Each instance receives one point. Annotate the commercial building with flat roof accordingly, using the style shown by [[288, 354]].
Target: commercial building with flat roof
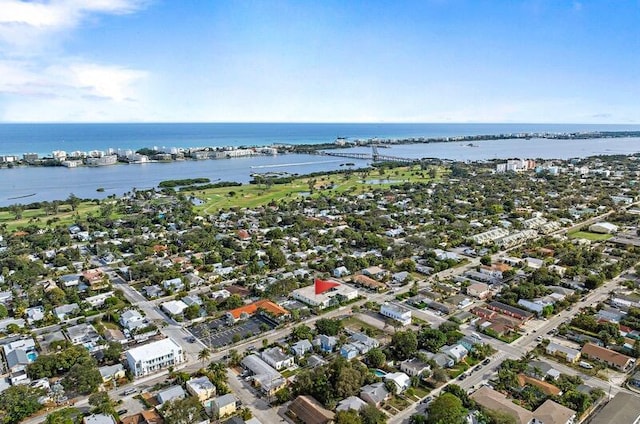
[[328, 298]]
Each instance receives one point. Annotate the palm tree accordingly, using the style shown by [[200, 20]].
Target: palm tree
[[204, 355]]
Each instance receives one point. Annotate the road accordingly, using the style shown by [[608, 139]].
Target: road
[[520, 347]]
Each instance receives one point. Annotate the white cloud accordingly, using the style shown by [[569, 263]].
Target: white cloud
[[112, 82], [59, 14], [30, 25], [40, 81]]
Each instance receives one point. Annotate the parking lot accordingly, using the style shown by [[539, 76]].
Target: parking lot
[[219, 333]]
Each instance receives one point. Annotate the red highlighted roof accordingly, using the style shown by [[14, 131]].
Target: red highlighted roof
[[324, 286]]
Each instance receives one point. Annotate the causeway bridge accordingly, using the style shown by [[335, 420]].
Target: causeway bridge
[[374, 156]]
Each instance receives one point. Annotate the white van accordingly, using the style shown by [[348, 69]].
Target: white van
[[476, 336], [585, 365]]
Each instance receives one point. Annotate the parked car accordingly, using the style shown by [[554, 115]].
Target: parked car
[[123, 411], [486, 361]]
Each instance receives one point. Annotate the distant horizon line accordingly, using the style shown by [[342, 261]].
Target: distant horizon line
[[305, 123]]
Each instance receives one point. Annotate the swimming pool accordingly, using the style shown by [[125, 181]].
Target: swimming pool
[[379, 373], [31, 356]]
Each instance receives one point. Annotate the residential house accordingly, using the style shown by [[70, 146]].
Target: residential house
[[174, 284], [415, 367], [610, 314], [349, 351], [496, 401], [374, 394], [340, 272], [171, 393], [99, 299], [442, 360], [301, 347], [533, 263], [396, 312], [352, 402], [611, 358], [19, 353], [174, 307], [70, 280], [400, 277], [154, 356], [150, 416], [566, 353], [327, 343], [375, 272], [99, 419], [112, 372], [192, 300], [456, 352], [363, 342], [307, 410], [551, 412], [34, 314], [95, 278], [223, 405], [62, 312], [132, 319], [400, 379], [536, 306], [625, 301], [84, 334], [152, 292], [542, 370], [276, 358], [203, 389], [479, 290]]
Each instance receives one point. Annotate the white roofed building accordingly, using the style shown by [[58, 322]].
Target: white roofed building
[[154, 356]]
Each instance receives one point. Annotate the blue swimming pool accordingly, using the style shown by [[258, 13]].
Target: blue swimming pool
[[31, 356], [379, 373]]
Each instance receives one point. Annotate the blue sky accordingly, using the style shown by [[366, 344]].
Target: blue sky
[[320, 61]]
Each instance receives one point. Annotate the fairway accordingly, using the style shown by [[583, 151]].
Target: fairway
[[357, 181], [40, 218]]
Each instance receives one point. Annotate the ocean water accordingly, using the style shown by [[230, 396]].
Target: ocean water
[[17, 139]]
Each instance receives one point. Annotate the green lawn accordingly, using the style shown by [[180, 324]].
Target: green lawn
[[457, 369], [590, 236], [39, 217]]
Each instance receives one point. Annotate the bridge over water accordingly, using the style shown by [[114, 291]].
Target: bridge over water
[[374, 156]]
